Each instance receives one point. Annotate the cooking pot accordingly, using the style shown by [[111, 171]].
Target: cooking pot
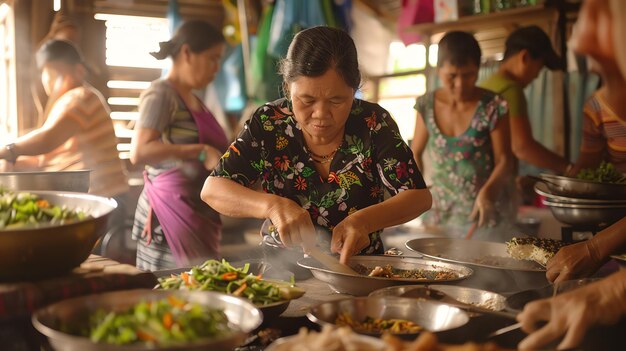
[[76, 181]]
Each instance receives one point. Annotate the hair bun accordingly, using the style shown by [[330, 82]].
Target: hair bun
[[165, 50]]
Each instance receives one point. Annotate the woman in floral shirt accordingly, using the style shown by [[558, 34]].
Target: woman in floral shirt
[[323, 157], [464, 131]]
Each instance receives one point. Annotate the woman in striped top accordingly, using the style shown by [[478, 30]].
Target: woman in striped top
[[179, 141]]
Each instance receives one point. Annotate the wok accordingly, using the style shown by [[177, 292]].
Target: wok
[[586, 214], [76, 181], [432, 316], [577, 188], [54, 249], [73, 314]]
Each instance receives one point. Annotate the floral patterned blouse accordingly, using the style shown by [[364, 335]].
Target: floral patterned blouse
[[460, 165], [371, 158]]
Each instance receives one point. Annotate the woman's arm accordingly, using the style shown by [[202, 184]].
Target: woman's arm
[[420, 137], [147, 148], [351, 235], [232, 199]]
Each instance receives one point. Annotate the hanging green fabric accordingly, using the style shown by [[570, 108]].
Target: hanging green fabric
[[329, 14], [259, 58]]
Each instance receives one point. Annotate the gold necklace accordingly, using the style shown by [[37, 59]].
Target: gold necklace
[[322, 158]]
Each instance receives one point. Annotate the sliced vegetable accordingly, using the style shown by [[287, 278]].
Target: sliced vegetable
[[25, 209]]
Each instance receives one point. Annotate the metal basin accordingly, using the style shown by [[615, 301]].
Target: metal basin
[[586, 214], [577, 188], [362, 285], [76, 181], [54, 249], [73, 314], [494, 269], [471, 296], [432, 316], [542, 189]]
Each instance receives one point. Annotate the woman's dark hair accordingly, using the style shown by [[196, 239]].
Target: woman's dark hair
[[314, 51], [198, 34], [58, 51], [458, 48]]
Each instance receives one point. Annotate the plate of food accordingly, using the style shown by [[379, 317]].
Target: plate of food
[[328, 339], [377, 272], [272, 297]]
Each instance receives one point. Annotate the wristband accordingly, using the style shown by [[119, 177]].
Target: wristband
[[202, 156], [12, 157]]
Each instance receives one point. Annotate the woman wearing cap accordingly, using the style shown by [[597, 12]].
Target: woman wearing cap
[[527, 51], [179, 141], [464, 131], [599, 33], [78, 132], [322, 156]]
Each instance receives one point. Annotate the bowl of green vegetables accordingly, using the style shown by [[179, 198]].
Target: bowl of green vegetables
[[602, 183], [134, 320]]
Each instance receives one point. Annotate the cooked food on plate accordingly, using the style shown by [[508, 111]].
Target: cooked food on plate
[[329, 339], [222, 277], [388, 271], [378, 325], [167, 321], [605, 173], [22, 209], [533, 249]]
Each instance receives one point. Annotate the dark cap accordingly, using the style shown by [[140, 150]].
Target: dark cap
[[58, 50], [536, 41]]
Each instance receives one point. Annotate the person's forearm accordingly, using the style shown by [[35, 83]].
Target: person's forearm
[[540, 156], [235, 200], [609, 241], [398, 209], [155, 152]]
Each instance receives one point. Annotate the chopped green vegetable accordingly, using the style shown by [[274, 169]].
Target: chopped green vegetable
[[606, 173], [25, 209], [221, 276], [162, 322]]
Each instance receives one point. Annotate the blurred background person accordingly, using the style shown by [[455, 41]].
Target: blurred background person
[[464, 131], [179, 141]]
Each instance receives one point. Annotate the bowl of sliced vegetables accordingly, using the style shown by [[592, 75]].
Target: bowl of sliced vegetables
[[43, 233], [272, 297], [142, 319]]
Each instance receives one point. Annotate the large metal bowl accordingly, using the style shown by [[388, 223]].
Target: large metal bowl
[[577, 188], [586, 214], [362, 285], [54, 249], [477, 297], [74, 313], [542, 189], [432, 316], [76, 181], [504, 274]]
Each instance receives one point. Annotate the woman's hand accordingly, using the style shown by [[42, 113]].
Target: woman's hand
[[574, 261], [293, 223], [350, 236], [484, 210], [572, 313]]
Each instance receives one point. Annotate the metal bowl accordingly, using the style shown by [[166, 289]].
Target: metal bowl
[[586, 214], [471, 296], [432, 316], [76, 181], [362, 285], [542, 189], [508, 275], [74, 313], [54, 249], [577, 188]]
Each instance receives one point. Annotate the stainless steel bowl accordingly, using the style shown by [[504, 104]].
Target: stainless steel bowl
[[471, 296], [362, 285], [586, 214], [432, 316], [54, 249], [74, 314], [577, 188], [508, 275], [542, 189], [75, 181]]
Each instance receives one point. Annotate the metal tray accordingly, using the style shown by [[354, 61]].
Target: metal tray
[[362, 285], [478, 297], [471, 252]]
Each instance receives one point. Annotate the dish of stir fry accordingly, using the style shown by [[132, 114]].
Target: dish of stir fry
[[388, 271], [222, 277], [378, 325], [19, 210], [161, 322]]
